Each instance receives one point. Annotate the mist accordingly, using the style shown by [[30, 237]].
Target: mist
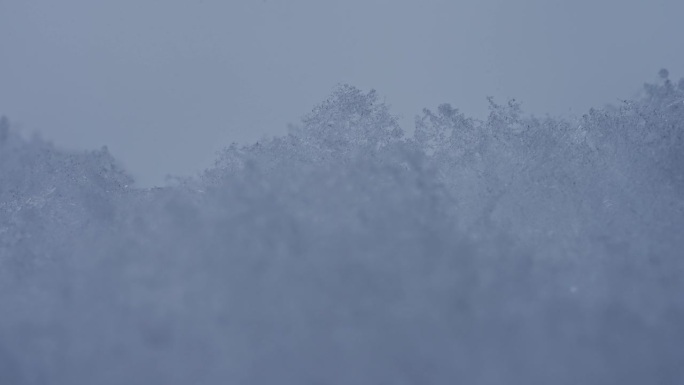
[[359, 193]]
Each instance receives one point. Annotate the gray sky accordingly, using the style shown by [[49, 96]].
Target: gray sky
[[167, 83]]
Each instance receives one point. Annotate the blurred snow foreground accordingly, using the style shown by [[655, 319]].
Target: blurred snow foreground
[[515, 250]]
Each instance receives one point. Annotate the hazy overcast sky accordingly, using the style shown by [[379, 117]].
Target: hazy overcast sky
[[167, 83]]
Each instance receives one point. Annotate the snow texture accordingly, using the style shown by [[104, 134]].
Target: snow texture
[[514, 250]]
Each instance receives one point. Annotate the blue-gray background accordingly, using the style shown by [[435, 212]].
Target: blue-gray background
[[165, 84]]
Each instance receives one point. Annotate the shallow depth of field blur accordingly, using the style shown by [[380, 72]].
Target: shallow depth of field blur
[[515, 249]]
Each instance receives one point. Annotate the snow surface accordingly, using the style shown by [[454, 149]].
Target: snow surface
[[515, 250]]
